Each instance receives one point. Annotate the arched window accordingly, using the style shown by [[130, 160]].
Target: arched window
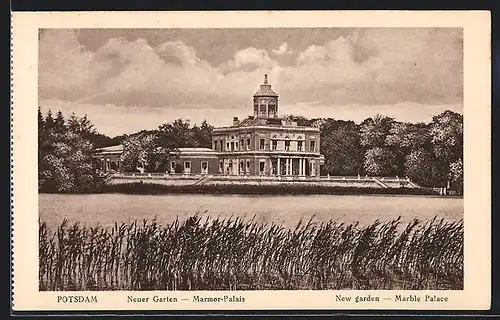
[[287, 143], [274, 143]]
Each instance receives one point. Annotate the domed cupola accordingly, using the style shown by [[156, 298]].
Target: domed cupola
[[265, 101]]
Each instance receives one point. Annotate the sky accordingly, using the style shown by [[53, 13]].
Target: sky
[[127, 80]]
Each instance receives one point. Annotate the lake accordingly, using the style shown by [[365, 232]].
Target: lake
[[106, 209]]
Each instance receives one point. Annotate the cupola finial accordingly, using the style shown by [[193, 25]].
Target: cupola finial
[[265, 79]]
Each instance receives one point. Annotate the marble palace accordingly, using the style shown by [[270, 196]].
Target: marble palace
[[261, 144]]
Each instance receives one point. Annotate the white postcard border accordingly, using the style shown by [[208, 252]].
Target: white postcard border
[[477, 146]]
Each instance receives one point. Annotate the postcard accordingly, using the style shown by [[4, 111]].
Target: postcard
[[276, 160]]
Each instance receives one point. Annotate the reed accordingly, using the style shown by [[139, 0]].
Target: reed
[[236, 254]]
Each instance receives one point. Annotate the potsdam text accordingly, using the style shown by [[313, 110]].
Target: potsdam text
[[76, 299]]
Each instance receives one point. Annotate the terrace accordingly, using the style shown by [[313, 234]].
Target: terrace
[[168, 178]]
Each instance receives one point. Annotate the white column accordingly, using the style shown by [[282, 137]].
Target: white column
[[303, 167], [291, 166], [278, 169]]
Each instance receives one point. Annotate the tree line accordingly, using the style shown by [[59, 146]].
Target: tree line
[[430, 154]]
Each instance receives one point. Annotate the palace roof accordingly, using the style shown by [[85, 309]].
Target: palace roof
[[265, 90], [110, 149], [278, 121]]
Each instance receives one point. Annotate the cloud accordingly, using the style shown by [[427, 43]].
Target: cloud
[[66, 69], [248, 60], [380, 66], [383, 66], [283, 49]]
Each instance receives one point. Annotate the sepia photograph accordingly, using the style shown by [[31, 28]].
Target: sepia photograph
[[251, 159]]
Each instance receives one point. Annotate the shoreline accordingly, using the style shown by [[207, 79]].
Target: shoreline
[[260, 190]]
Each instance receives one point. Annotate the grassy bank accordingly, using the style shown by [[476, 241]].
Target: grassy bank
[[216, 254], [278, 189]]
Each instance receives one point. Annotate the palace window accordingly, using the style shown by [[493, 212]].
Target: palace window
[[236, 145], [172, 166], [262, 144], [262, 166], [287, 145], [204, 167], [221, 146], [275, 144], [272, 109], [242, 142], [242, 166], [299, 145], [248, 144], [262, 109], [221, 166], [227, 147], [187, 166], [248, 166], [232, 146], [312, 146], [214, 145]]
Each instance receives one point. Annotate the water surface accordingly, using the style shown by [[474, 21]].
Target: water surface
[[106, 209]]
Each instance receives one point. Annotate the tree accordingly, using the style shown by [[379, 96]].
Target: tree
[[65, 159], [408, 136], [380, 162], [49, 120], [41, 121], [203, 135], [446, 132], [422, 168], [373, 131], [137, 151], [59, 123], [403, 138], [457, 176], [80, 125], [301, 120], [99, 140], [175, 135], [341, 147]]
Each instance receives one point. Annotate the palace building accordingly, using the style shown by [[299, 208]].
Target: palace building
[[263, 144], [267, 144]]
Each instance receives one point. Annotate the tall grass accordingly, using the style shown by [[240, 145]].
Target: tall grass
[[234, 254]]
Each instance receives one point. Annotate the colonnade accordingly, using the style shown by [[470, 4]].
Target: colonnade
[[289, 166], [108, 164], [277, 166]]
